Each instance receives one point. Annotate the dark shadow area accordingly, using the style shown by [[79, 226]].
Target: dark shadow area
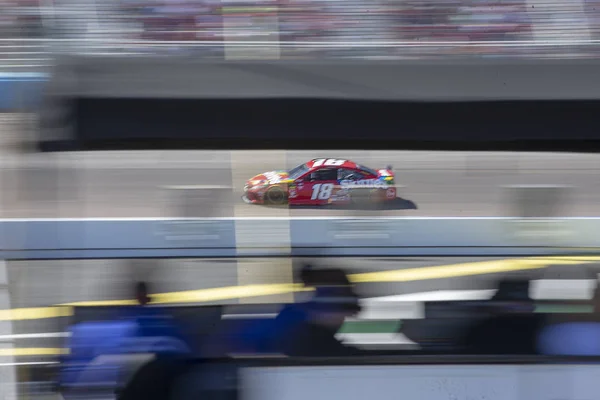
[[397, 204], [328, 124]]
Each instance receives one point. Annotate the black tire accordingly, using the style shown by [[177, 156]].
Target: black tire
[[276, 196]]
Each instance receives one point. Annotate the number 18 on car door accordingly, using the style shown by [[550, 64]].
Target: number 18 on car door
[[320, 186]]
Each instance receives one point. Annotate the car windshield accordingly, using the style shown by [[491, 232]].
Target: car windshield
[[369, 170], [298, 171]]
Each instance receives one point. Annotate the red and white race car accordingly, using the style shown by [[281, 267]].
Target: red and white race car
[[322, 181]]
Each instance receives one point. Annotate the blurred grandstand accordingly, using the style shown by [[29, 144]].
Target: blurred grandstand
[[32, 31]]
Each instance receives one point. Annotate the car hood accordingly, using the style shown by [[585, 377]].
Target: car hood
[[269, 178]]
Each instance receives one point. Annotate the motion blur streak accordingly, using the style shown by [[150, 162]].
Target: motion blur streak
[[18, 314], [237, 292], [226, 293], [33, 351], [468, 269], [304, 30], [100, 303]]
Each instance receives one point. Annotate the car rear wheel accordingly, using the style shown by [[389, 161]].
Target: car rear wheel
[[276, 196]]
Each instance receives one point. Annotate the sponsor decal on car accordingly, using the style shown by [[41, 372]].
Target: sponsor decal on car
[[363, 183], [273, 177], [339, 197]]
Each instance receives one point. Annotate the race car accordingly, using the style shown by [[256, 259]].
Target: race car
[[322, 181]]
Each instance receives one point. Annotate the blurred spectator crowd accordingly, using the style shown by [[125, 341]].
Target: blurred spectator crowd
[[396, 29]]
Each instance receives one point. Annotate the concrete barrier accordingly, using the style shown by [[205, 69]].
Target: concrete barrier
[[216, 237], [38, 239], [443, 236], [432, 382]]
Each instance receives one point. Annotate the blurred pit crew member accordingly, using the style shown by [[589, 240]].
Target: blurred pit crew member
[[309, 329], [253, 336], [512, 326]]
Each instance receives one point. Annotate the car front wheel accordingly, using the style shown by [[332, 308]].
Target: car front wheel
[[276, 196]]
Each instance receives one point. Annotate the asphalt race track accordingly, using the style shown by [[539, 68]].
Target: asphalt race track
[[150, 184], [153, 184]]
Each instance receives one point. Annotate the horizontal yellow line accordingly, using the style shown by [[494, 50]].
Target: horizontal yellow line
[[202, 295], [226, 293], [97, 303], [33, 351], [466, 269], [237, 292], [18, 314]]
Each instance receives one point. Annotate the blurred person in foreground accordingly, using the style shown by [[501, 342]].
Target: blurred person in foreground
[[309, 329], [254, 336], [154, 322], [104, 354], [289, 316], [572, 334], [512, 325], [165, 377], [299, 327], [305, 329]]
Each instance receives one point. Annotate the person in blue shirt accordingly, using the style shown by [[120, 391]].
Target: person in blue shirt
[[289, 316], [309, 328], [98, 349], [573, 334], [157, 330], [254, 336]]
